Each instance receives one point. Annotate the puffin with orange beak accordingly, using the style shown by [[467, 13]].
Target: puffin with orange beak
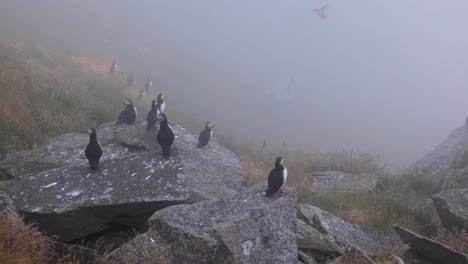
[[165, 135], [93, 150], [206, 135], [277, 178], [152, 117]]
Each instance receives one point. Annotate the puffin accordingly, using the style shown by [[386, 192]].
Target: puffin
[[152, 117], [128, 115], [148, 84], [93, 150], [206, 135], [321, 12], [161, 104], [165, 135], [113, 67], [130, 80], [277, 178]]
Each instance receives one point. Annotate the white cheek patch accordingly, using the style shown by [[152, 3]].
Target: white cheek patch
[[135, 110]]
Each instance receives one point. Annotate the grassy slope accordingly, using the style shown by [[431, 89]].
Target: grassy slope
[[45, 94]]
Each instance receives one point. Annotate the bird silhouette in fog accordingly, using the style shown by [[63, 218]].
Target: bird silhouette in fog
[[113, 67], [321, 12]]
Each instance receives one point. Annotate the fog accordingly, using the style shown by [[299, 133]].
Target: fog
[[385, 77]]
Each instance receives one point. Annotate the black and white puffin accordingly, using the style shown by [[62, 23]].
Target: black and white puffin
[[93, 151], [130, 80], [277, 177], [205, 136], [161, 103], [165, 135], [113, 67], [128, 115], [152, 117], [148, 84]]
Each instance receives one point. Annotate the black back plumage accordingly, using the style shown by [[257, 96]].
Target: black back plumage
[[165, 135], [93, 151], [275, 178], [130, 80], [128, 115], [152, 116], [205, 135]]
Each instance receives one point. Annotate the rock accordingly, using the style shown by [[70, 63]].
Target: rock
[[423, 205], [305, 258], [430, 249], [370, 241], [243, 228], [452, 206], [437, 162], [310, 239], [340, 181], [56, 188], [6, 204]]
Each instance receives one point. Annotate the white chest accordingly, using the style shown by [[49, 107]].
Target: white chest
[[163, 107], [285, 175]]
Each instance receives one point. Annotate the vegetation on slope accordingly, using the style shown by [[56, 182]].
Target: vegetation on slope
[[45, 94]]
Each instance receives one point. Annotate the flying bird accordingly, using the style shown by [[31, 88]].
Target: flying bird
[[321, 12], [93, 151], [277, 178]]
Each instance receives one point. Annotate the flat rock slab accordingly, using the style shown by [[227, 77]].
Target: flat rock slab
[[340, 181], [72, 202], [370, 241], [431, 249], [54, 186], [244, 228], [452, 206]]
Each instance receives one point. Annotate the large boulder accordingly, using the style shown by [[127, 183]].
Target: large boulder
[[6, 204], [244, 228], [437, 162], [452, 206], [341, 181], [55, 187], [430, 249], [370, 241]]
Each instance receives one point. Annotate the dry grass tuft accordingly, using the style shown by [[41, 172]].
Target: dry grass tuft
[[22, 243], [456, 240]]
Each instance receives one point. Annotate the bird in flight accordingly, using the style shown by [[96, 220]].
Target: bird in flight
[[321, 12]]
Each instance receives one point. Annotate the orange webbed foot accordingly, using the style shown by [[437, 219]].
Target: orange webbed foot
[[100, 162], [210, 146], [283, 191], [157, 126]]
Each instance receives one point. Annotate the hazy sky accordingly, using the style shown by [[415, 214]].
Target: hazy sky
[[387, 77]]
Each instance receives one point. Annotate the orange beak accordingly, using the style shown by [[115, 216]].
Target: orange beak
[[157, 125]]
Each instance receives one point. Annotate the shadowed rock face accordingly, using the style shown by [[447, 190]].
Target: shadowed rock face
[[345, 236], [245, 228], [430, 249], [55, 187], [452, 206], [6, 204]]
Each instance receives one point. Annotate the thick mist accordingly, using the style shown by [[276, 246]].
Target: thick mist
[[385, 77]]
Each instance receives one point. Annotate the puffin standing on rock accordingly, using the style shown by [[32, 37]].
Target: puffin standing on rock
[[93, 150], [161, 103], [128, 115], [165, 135], [277, 178], [205, 136], [152, 117]]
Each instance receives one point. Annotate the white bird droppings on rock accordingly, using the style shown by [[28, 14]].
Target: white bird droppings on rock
[[50, 185]]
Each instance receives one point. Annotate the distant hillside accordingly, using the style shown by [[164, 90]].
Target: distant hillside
[[45, 93]]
